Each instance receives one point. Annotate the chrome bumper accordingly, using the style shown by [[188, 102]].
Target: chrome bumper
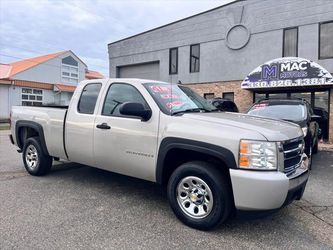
[[266, 190]]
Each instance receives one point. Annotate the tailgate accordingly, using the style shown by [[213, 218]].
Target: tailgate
[[51, 121]]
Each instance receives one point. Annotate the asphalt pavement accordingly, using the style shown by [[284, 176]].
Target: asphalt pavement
[[79, 207]]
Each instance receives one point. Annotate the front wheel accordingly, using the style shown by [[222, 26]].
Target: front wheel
[[315, 148], [200, 195], [35, 161], [310, 155]]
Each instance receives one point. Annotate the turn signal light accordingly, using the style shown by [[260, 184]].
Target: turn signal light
[[244, 161]]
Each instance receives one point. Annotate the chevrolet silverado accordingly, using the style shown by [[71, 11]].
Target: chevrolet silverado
[[212, 163]]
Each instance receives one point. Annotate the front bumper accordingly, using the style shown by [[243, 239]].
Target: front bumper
[[258, 190]]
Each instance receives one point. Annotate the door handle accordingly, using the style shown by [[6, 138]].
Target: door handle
[[104, 125]]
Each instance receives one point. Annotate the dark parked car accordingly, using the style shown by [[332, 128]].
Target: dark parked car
[[224, 105], [298, 111], [322, 121]]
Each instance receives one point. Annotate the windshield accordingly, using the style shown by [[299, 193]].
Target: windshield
[[290, 112], [174, 98]]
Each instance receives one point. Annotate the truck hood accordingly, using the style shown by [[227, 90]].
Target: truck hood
[[271, 129]]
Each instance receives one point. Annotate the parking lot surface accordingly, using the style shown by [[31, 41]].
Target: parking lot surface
[[79, 207]]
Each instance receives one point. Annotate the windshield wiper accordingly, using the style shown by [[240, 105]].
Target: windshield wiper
[[190, 111]]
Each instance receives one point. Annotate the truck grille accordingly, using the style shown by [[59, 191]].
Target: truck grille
[[292, 151]]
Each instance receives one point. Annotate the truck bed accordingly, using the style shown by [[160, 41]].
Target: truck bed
[[54, 106], [51, 118]]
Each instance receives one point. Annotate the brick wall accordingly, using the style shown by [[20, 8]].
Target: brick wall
[[243, 98]]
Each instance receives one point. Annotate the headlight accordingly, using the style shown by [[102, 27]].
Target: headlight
[[305, 130], [259, 155]]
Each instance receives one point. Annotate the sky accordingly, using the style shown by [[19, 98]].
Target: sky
[[30, 28]]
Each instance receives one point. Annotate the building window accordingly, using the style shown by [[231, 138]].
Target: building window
[[173, 61], [32, 97], [195, 58], [290, 42], [69, 70], [209, 95], [69, 60], [259, 96], [228, 95], [326, 40]]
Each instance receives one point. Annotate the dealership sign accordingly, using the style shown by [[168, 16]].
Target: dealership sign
[[287, 72]]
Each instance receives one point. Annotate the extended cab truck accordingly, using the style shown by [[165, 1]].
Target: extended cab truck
[[211, 162]]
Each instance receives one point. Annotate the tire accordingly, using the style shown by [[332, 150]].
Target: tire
[[310, 155], [208, 196], [35, 161], [315, 148]]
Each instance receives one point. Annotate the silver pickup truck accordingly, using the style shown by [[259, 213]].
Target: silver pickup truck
[[211, 162]]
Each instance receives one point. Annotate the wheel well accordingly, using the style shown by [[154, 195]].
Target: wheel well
[[176, 157], [25, 133]]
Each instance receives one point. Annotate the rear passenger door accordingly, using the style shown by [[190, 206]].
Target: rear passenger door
[[79, 127]]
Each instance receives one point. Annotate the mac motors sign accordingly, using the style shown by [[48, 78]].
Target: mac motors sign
[[287, 72]]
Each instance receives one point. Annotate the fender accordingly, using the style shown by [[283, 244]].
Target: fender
[[35, 126], [223, 154]]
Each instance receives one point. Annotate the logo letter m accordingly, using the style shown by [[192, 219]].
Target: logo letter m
[[269, 72]]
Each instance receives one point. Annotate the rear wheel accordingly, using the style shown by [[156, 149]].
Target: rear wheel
[[200, 195], [35, 161]]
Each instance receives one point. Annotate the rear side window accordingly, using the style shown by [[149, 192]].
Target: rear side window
[[88, 98]]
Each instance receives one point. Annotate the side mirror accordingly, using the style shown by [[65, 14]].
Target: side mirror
[[135, 109], [315, 118]]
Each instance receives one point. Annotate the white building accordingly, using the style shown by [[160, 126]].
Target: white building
[[47, 79]]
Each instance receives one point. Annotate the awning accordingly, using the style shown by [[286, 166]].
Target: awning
[[64, 87]]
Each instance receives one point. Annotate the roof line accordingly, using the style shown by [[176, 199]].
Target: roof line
[[38, 63], [78, 57], [32, 60], [177, 21]]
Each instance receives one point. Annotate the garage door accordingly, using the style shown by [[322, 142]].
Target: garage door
[[144, 71]]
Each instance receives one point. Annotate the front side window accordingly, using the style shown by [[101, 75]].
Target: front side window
[[32, 97], [173, 61], [326, 40], [290, 42], [88, 98], [195, 58], [173, 99], [118, 94]]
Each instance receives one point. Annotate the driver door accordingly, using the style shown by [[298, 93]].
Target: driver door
[[124, 144]]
